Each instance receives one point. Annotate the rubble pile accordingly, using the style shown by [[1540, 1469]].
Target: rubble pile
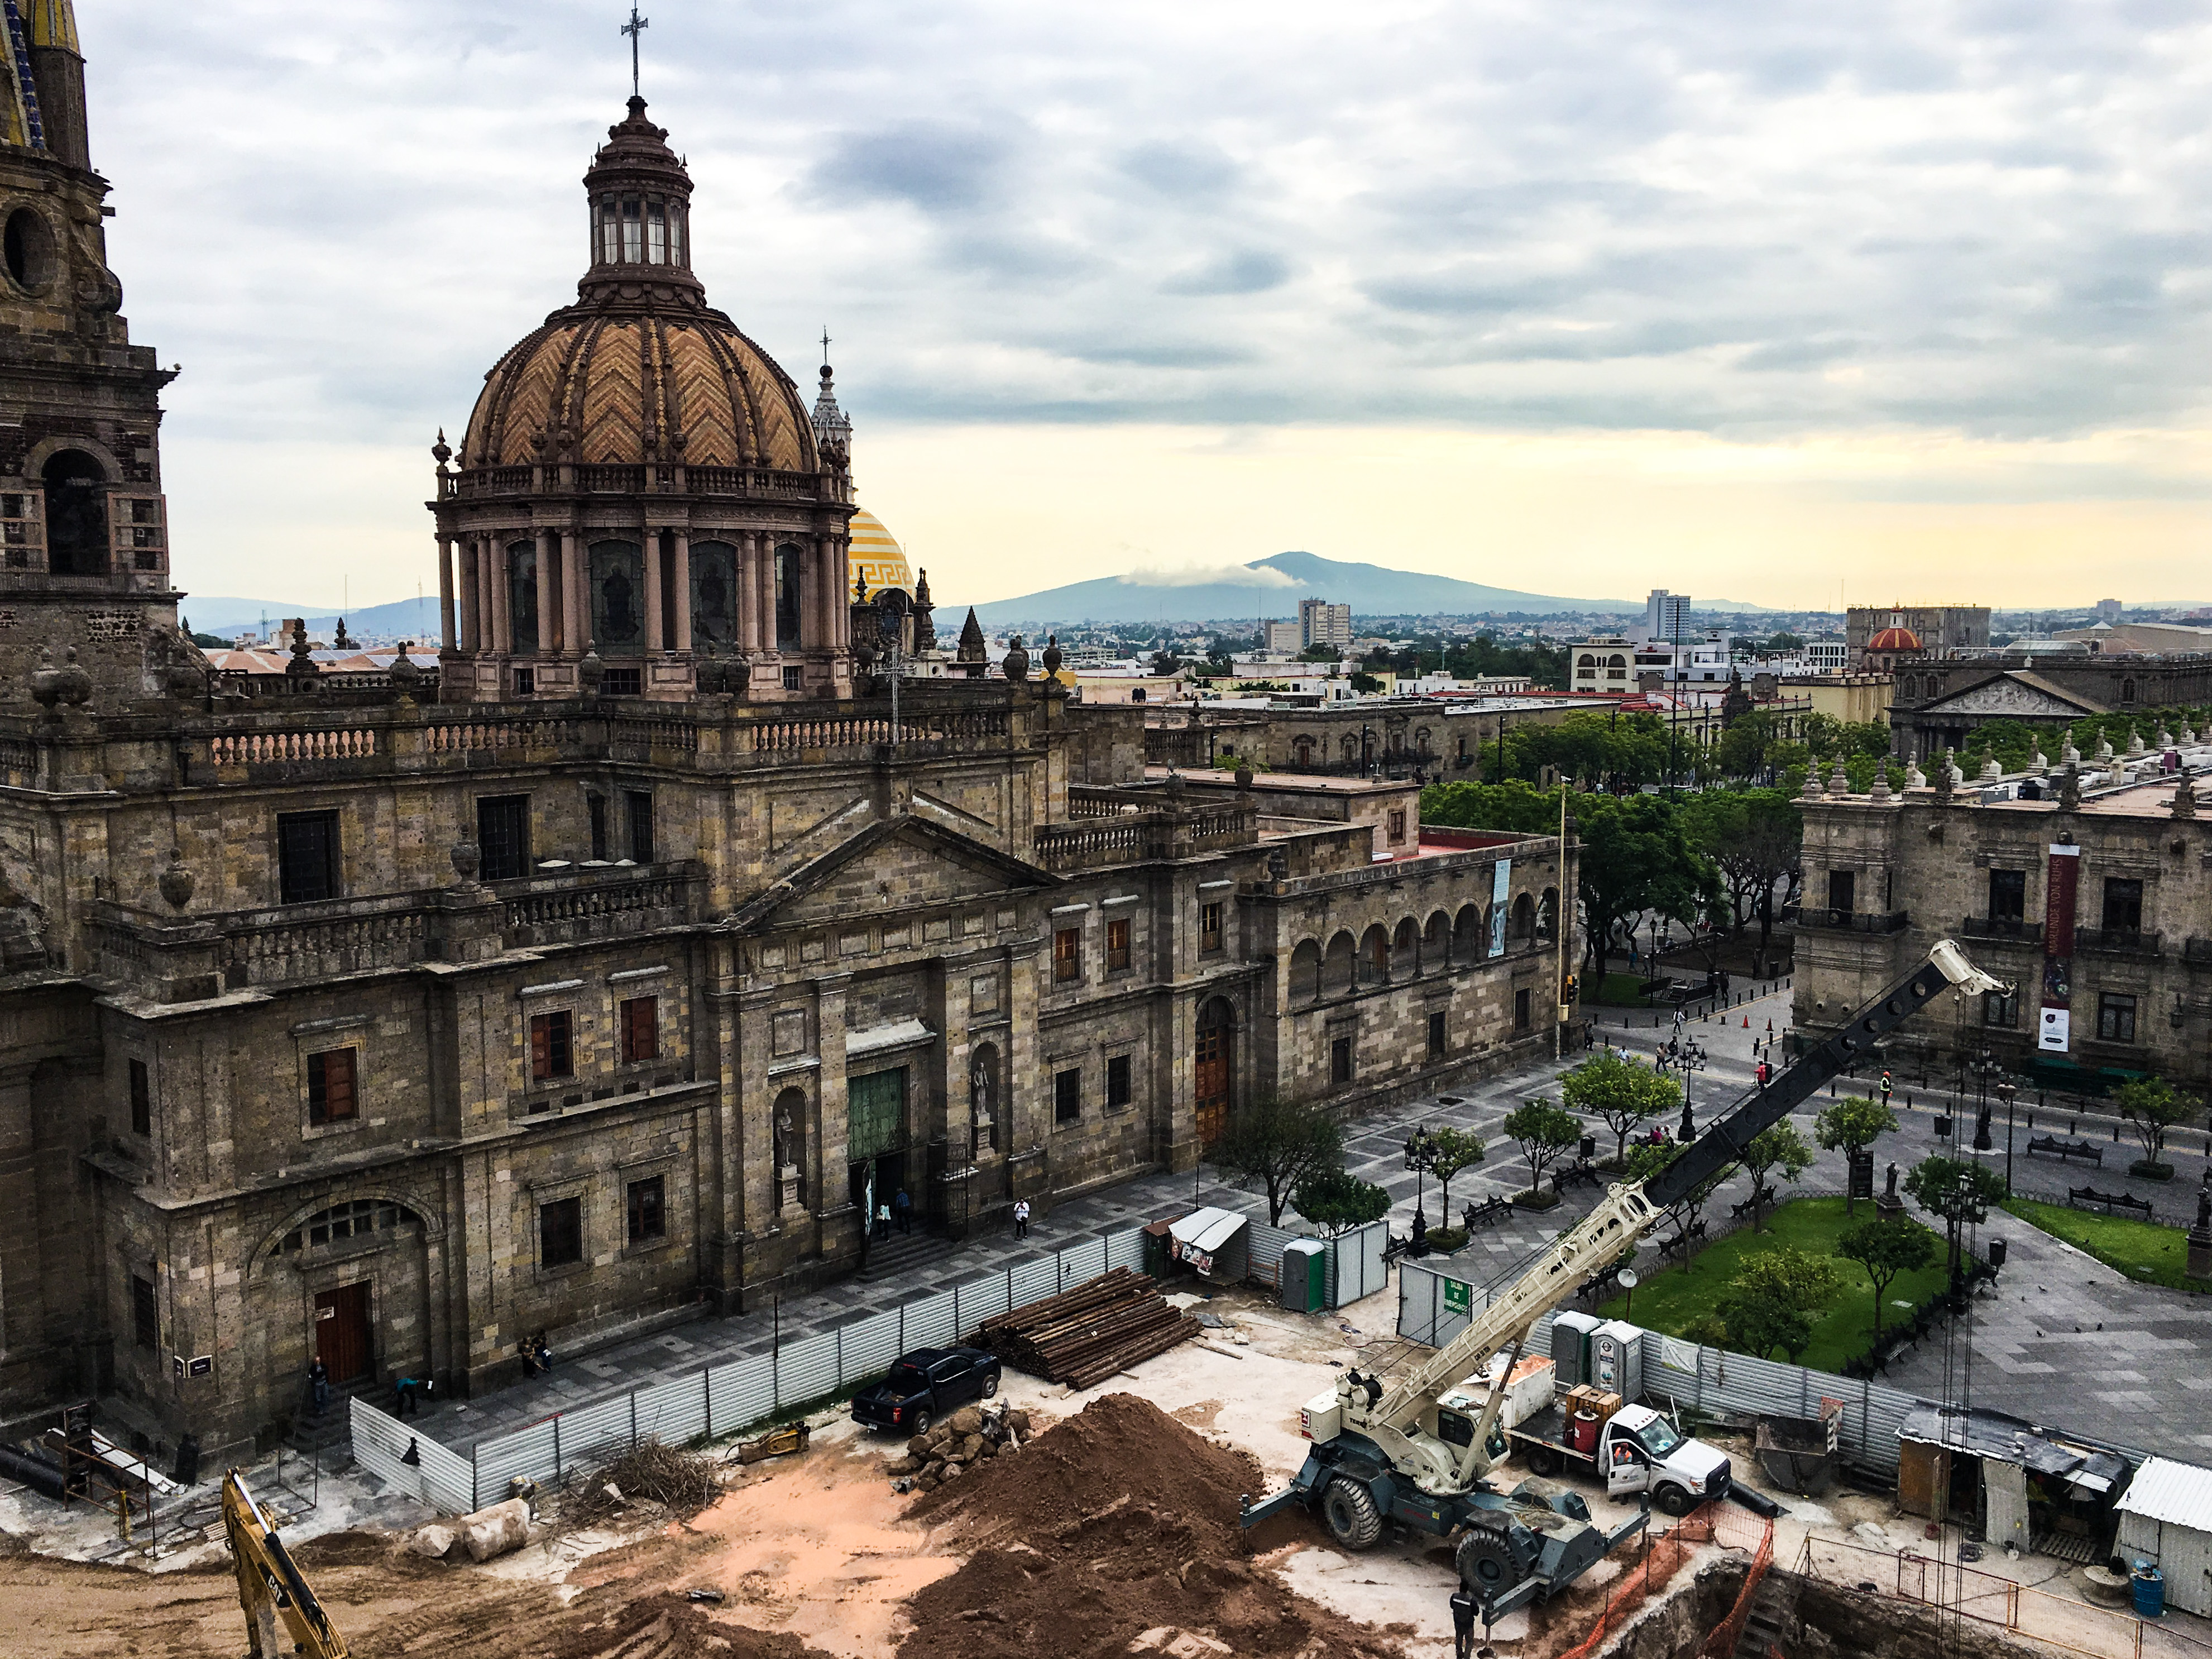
[[1081, 1337], [1114, 1531], [970, 1436]]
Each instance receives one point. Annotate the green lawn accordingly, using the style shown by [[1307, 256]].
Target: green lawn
[[1621, 991], [1672, 1297], [2140, 1249]]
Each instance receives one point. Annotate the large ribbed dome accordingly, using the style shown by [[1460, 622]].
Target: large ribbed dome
[[615, 384]]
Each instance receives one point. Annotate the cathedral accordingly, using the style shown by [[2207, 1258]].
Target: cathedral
[[617, 969]]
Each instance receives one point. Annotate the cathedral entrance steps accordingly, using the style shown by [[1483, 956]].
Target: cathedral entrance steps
[[903, 1253]]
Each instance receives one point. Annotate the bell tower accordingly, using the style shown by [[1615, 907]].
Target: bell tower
[[84, 545]]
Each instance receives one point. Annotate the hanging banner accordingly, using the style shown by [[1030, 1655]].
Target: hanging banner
[[2058, 889], [1501, 877]]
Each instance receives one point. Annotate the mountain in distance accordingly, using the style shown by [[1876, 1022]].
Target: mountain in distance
[[402, 619], [1276, 585]]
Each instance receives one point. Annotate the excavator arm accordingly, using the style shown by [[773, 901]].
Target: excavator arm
[[1392, 1417], [270, 1587]]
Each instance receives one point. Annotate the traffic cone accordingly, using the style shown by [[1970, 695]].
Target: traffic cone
[[1770, 1028], [1746, 1022]]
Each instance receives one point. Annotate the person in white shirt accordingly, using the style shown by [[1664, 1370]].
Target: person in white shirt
[[1021, 1218]]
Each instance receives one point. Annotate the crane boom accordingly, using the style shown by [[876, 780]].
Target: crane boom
[[1399, 1419]]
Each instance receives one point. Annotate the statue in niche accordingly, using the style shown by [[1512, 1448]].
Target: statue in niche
[[983, 1082], [619, 617]]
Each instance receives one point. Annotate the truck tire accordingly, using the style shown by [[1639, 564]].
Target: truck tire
[[1542, 1460], [990, 1384], [1348, 1509], [1484, 1567], [919, 1425], [1673, 1500]]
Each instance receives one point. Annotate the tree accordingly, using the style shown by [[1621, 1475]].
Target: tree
[[1451, 1151], [1756, 838], [1276, 1144], [1619, 1092], [1335, 1200], [1365, 684], [1775, 1299], [1647, 1160], [1780, 1147], [1959, 1190], [1166, 662], [2152, 1106], [1543, 1132], [1852, 1124], [1886, 1249]]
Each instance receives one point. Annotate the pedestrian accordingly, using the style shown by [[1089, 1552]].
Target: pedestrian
[[1021, 1218], [903, 1211], [403, 1392], [1463, 1611], [319, 1380], [882, 1221], [1724, 982]]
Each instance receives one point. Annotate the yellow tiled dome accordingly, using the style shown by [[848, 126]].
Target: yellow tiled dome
[[876, 556]]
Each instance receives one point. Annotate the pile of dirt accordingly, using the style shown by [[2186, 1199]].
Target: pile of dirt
[[1116, 1523], [970, 1436], [605, 1625]]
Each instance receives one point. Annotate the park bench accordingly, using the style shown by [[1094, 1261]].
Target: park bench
[[1581, 1173], [1761, 1200], [1672, 1247], [2052, 1146], [2082, 1197], [1490, 1209], [1601, 1285]]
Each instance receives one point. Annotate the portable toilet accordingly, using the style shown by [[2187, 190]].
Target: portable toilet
[[1616, 1358], [1571, 1334], [1305, 1275]]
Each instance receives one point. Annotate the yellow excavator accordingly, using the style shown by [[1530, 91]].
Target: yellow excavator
[[270, 1587]]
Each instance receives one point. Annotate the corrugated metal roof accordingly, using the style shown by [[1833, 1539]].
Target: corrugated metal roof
[[2163, 1490]]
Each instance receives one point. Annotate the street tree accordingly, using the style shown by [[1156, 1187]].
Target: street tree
[[1646, 1160], [2152, 1106], [1335, 1201], [1776, 1299], [1780, 1148], [1274, 1144], [1451, 1151], [1544, 1132], [1852, 1124], [1961, 1190], [1886, 1249], [1620, 1092]]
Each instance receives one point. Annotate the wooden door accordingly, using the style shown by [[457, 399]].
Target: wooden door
[[342, 1335], [1213, 1046]]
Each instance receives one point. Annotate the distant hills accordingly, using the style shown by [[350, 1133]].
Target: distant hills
[[1274, 589], [402, 619]]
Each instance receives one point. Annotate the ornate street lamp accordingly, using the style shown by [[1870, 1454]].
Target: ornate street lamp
[[1421, 1159]]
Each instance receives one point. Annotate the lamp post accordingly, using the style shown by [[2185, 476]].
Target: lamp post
[[1688, 1057], [2005, 1092], [1421, 1159], [1986, 1071]]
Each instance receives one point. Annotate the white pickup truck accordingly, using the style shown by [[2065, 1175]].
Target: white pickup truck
[[1637, 1450]]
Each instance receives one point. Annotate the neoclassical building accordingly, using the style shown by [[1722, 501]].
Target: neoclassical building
[[611, 974]]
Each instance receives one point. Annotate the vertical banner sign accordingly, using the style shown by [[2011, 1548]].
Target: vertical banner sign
[[2058, 891], [1501, 877]]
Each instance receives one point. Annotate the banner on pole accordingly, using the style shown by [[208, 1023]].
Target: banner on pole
[[2052, 1032], [1501, 879]]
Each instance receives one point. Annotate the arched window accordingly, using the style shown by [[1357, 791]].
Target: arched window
[[714, 593], [1616, 662], [1522, 925], [1349, 746], [788, 558], [618, 598], [1548, 916], [361, 1219], [1302, 752], [522, 593], [1215, 1067], [76, 514], [1421, 741], [1337, 968], [1375, 956], [1470, 938], [1406, 951], [1137, 695], [1436, 943], [1586, 660], [2127, 691], [1305, 973]]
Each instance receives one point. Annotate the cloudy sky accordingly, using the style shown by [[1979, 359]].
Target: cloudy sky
[[1778, 302]]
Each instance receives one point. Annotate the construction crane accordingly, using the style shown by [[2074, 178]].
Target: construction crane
[[1384, 1450], [270, 1587]]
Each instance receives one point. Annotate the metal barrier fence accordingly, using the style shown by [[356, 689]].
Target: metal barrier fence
[[720, 1400], [1356, 1267]]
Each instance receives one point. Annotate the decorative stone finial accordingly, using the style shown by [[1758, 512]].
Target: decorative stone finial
[[1243, 774], [1881, 779], [46, 680], [1812, 790], [2103, 745], [707, 671], [2069, 788], [405, 676], [1990, 770], [2038, 762], [1946, 775], [591, 672], [76, 683], [1914, 777], [2135, 751], [466, 857], [1016, 665], [971, 648], [302, 666], [176, 883], [2068, 754], [2185, 797], [441, 452], [2188, 735], [1840, 780], [1052, 656], [2163, 739]]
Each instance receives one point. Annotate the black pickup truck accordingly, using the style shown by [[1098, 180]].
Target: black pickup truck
[[925, 1385]]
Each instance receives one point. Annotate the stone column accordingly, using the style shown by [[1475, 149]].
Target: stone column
[[829, 594], [472, 612], [446, 638], [503, 594], [682, 590], [575, 598], [549, 621], [653, 643], [767, 539], [748, 621]]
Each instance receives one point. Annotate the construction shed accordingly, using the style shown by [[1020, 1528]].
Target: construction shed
[[1213, 1243], [2165, 1518], [2022, 1482]]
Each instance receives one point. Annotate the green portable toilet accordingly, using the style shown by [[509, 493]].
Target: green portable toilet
[[1305, 1275]]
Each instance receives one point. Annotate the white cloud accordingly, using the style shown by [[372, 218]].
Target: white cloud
[[1207, 575]]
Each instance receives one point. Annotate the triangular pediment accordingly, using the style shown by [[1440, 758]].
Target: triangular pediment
[[2012, 697], [895, 864]]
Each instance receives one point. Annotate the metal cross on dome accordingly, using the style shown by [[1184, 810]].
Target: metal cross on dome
[[634, 29]]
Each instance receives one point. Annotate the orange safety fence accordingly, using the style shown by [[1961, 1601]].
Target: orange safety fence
[[1724, 1640], [1663, 1556]]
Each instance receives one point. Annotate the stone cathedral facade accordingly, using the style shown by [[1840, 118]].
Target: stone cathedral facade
[[612, 972]]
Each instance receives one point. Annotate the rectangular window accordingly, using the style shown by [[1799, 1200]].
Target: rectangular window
[[2008, 895], [1999, 1010], [791, 679], [609, 232], [2122, 905], [788, 559], [595, 807], [331, 1097], [1117, 1081], [648, 1213], [1397, 827], [2115, 1018], [1520, 1000], [656, 232], [1067, 1097], [1067, 954], [306, 857], [1435, 1037], [641, 1030], [639, 804], [1340, 1060], [1209, 926], [1843, 889], [1117, 946], [142, 1099], [551, 1051], [624, 682], [145, 1313], [561, 1232], [631, 239], [503, 836]]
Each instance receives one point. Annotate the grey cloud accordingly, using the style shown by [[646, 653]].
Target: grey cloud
[[931, 164], [1242, 270]]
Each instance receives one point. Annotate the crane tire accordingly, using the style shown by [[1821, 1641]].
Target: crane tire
[[1673, 1500], [1484, 1566], [1348, 1509]]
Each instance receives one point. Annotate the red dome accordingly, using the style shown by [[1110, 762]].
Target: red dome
[[1894, 639]]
